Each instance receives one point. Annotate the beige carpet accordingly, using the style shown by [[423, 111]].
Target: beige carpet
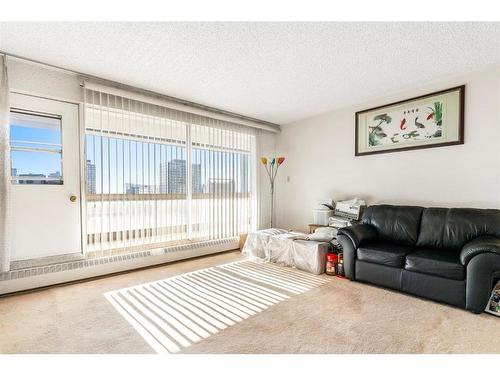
[[174, 313], [337, 317]]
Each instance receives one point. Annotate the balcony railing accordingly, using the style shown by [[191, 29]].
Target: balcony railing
[[142, 220], [158, 196]]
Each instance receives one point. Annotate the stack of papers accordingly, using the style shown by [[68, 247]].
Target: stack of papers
[[493, 306]]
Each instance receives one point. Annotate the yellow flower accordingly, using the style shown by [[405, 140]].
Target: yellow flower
[[263, 160]]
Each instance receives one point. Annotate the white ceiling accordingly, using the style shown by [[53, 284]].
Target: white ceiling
[[279, 72]]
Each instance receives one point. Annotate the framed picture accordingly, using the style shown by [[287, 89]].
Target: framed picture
[[431, 120]]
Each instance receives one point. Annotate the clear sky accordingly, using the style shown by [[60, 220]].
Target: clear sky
[[35, 162], [121, 161], [124, 161]]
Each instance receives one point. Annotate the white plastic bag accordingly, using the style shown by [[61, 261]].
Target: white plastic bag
[[286, 248]]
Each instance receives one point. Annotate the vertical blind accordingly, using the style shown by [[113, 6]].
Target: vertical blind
[[158, 176], [5, 168]]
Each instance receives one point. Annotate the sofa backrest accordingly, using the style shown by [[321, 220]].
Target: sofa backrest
[[434, 227], [397, 224], [452, 228]]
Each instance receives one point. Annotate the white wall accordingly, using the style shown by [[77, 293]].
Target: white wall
[[46, 82], [321, 162]]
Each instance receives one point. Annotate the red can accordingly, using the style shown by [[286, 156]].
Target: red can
[[331, 264]]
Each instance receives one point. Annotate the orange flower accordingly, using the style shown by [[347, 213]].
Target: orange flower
[[281, 159], [263, 160]]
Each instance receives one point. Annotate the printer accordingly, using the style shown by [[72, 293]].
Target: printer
[[351, 209], [346, 212]]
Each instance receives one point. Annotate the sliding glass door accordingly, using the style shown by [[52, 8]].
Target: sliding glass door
[[156, 176], [221, 182]]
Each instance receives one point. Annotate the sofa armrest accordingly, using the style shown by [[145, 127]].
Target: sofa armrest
[[359, 233], [350, 238], [482, 271], [480, 245]]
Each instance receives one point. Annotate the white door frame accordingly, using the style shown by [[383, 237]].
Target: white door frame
[[81, 156]]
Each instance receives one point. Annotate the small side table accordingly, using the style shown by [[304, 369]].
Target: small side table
[[313, 227]]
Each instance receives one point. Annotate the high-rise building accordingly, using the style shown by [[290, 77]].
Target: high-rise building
[[54, 178], [32, 179], [244, 175], [91, 182], [164, 177], [221, 186], [196, 171], [140, 189], [176, 176], [173, 177]]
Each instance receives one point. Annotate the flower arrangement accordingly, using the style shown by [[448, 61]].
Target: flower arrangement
[[272, 166]]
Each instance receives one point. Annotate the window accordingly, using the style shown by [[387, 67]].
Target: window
[[130, 165], [155, 175], [36, 149], [221, 196]]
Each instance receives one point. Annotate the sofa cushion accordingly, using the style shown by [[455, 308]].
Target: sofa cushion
[[397, 224], [384, 253], [452, 228], [442, 263]]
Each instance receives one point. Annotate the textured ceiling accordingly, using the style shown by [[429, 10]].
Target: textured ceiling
[[279, 72]]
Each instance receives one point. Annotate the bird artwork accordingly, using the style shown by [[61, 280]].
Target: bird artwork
[[382, 118], [419, 124], [414, 124], [432, 120], [412, 134], [436, 113], [376, 132], [402, 125]]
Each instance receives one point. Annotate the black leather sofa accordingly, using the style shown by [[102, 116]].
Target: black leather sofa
[[450, 255]]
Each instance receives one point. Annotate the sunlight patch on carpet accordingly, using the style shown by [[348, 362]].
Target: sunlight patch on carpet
[[174, 313]]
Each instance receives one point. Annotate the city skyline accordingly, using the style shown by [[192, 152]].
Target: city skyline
[[26, 160], [173, 175], [123, 166], [91, 177]]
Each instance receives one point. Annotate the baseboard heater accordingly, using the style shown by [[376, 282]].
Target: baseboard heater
[[36, 277]]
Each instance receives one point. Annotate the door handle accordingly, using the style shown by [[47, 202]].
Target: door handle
[[73, 198]]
